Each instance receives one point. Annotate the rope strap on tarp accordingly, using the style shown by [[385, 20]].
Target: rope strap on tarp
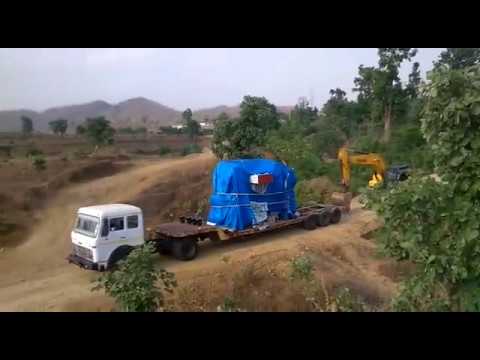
[[252, 194], [239, 205]]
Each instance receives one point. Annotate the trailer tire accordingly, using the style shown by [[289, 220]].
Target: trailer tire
[[323, 218], [310, 223], [335, 216], [185, 249]]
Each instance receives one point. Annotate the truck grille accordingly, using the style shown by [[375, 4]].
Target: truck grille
[[82, 252]]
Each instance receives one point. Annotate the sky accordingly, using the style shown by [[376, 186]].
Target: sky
[[38, 79]]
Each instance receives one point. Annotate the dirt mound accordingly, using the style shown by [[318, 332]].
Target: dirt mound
[[315, 190]]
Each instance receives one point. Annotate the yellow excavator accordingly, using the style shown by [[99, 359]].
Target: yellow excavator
[[349, 157]]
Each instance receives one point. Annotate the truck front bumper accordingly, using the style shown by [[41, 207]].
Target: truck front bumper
[[83, 263]]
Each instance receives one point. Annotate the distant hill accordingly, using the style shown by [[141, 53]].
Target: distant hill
[[232, 111], [10, 120], [142, 112], [133, 112]]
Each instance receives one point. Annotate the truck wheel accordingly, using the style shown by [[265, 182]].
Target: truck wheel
[[310, 223], [164, 249], [185, 249], [117, 255], [335, 216], [323, 218]]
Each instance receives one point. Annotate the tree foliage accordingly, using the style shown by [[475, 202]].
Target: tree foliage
[[304, 114], [134, 284], [243, 136], [80, 130], [414, 81], [58, 126], [435, 223], [27, 125], [99, 131], [381, 87], [458, 58], [341, 114], [192, 127]]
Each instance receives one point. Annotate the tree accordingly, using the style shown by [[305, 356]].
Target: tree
[[81, 130], [192, 127], [27, 126], [458, 58], [381, 87], [99, 131], [258, 112], [304, 114], [242, 137], [414, 80], [222, 117], [133, 284], [289, 144], [340, 113], [59, 126], [435, 223], [187, 115]]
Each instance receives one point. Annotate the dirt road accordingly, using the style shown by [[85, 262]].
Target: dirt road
[[36, 277]]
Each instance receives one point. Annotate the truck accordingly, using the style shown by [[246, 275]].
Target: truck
[[249, 198], [104, 234]]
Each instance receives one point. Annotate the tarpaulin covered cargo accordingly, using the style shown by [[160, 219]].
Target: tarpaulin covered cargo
[[236, 203]]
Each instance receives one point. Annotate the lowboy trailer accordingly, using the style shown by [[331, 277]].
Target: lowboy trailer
[[181, 238]]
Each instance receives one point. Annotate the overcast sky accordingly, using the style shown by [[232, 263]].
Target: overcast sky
[[41, 78]]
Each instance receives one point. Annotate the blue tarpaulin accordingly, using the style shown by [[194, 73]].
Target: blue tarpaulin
[[236, 205]]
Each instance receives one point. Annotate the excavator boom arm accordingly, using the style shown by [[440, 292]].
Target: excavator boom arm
[[375, 161]]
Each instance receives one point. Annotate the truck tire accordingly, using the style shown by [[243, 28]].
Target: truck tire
[[164, 248], [323, 218], [310, 223], [185, 249], [335, 216], [117, 255]]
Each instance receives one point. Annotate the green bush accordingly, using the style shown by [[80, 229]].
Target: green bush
[[229, 305], [191, 149], [133, 284], [7, 150], [164, 150], [39, 162], [327, 140], [33, 152], [301, 268], [346, 301]]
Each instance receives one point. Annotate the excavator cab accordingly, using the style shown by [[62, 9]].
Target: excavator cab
[[398, 173]]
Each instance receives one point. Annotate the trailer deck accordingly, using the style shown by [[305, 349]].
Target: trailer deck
[[181, 237]]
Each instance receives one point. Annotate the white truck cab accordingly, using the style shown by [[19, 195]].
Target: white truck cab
[[104, 234]]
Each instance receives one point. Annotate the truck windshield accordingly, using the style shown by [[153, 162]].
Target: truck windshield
[[87, 225]]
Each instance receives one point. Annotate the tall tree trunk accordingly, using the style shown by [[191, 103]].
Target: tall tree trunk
[[387, 121]]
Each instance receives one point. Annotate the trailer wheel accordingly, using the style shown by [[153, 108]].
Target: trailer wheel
[[185, 249], [335, 216], [323, 218], [310, 223]]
